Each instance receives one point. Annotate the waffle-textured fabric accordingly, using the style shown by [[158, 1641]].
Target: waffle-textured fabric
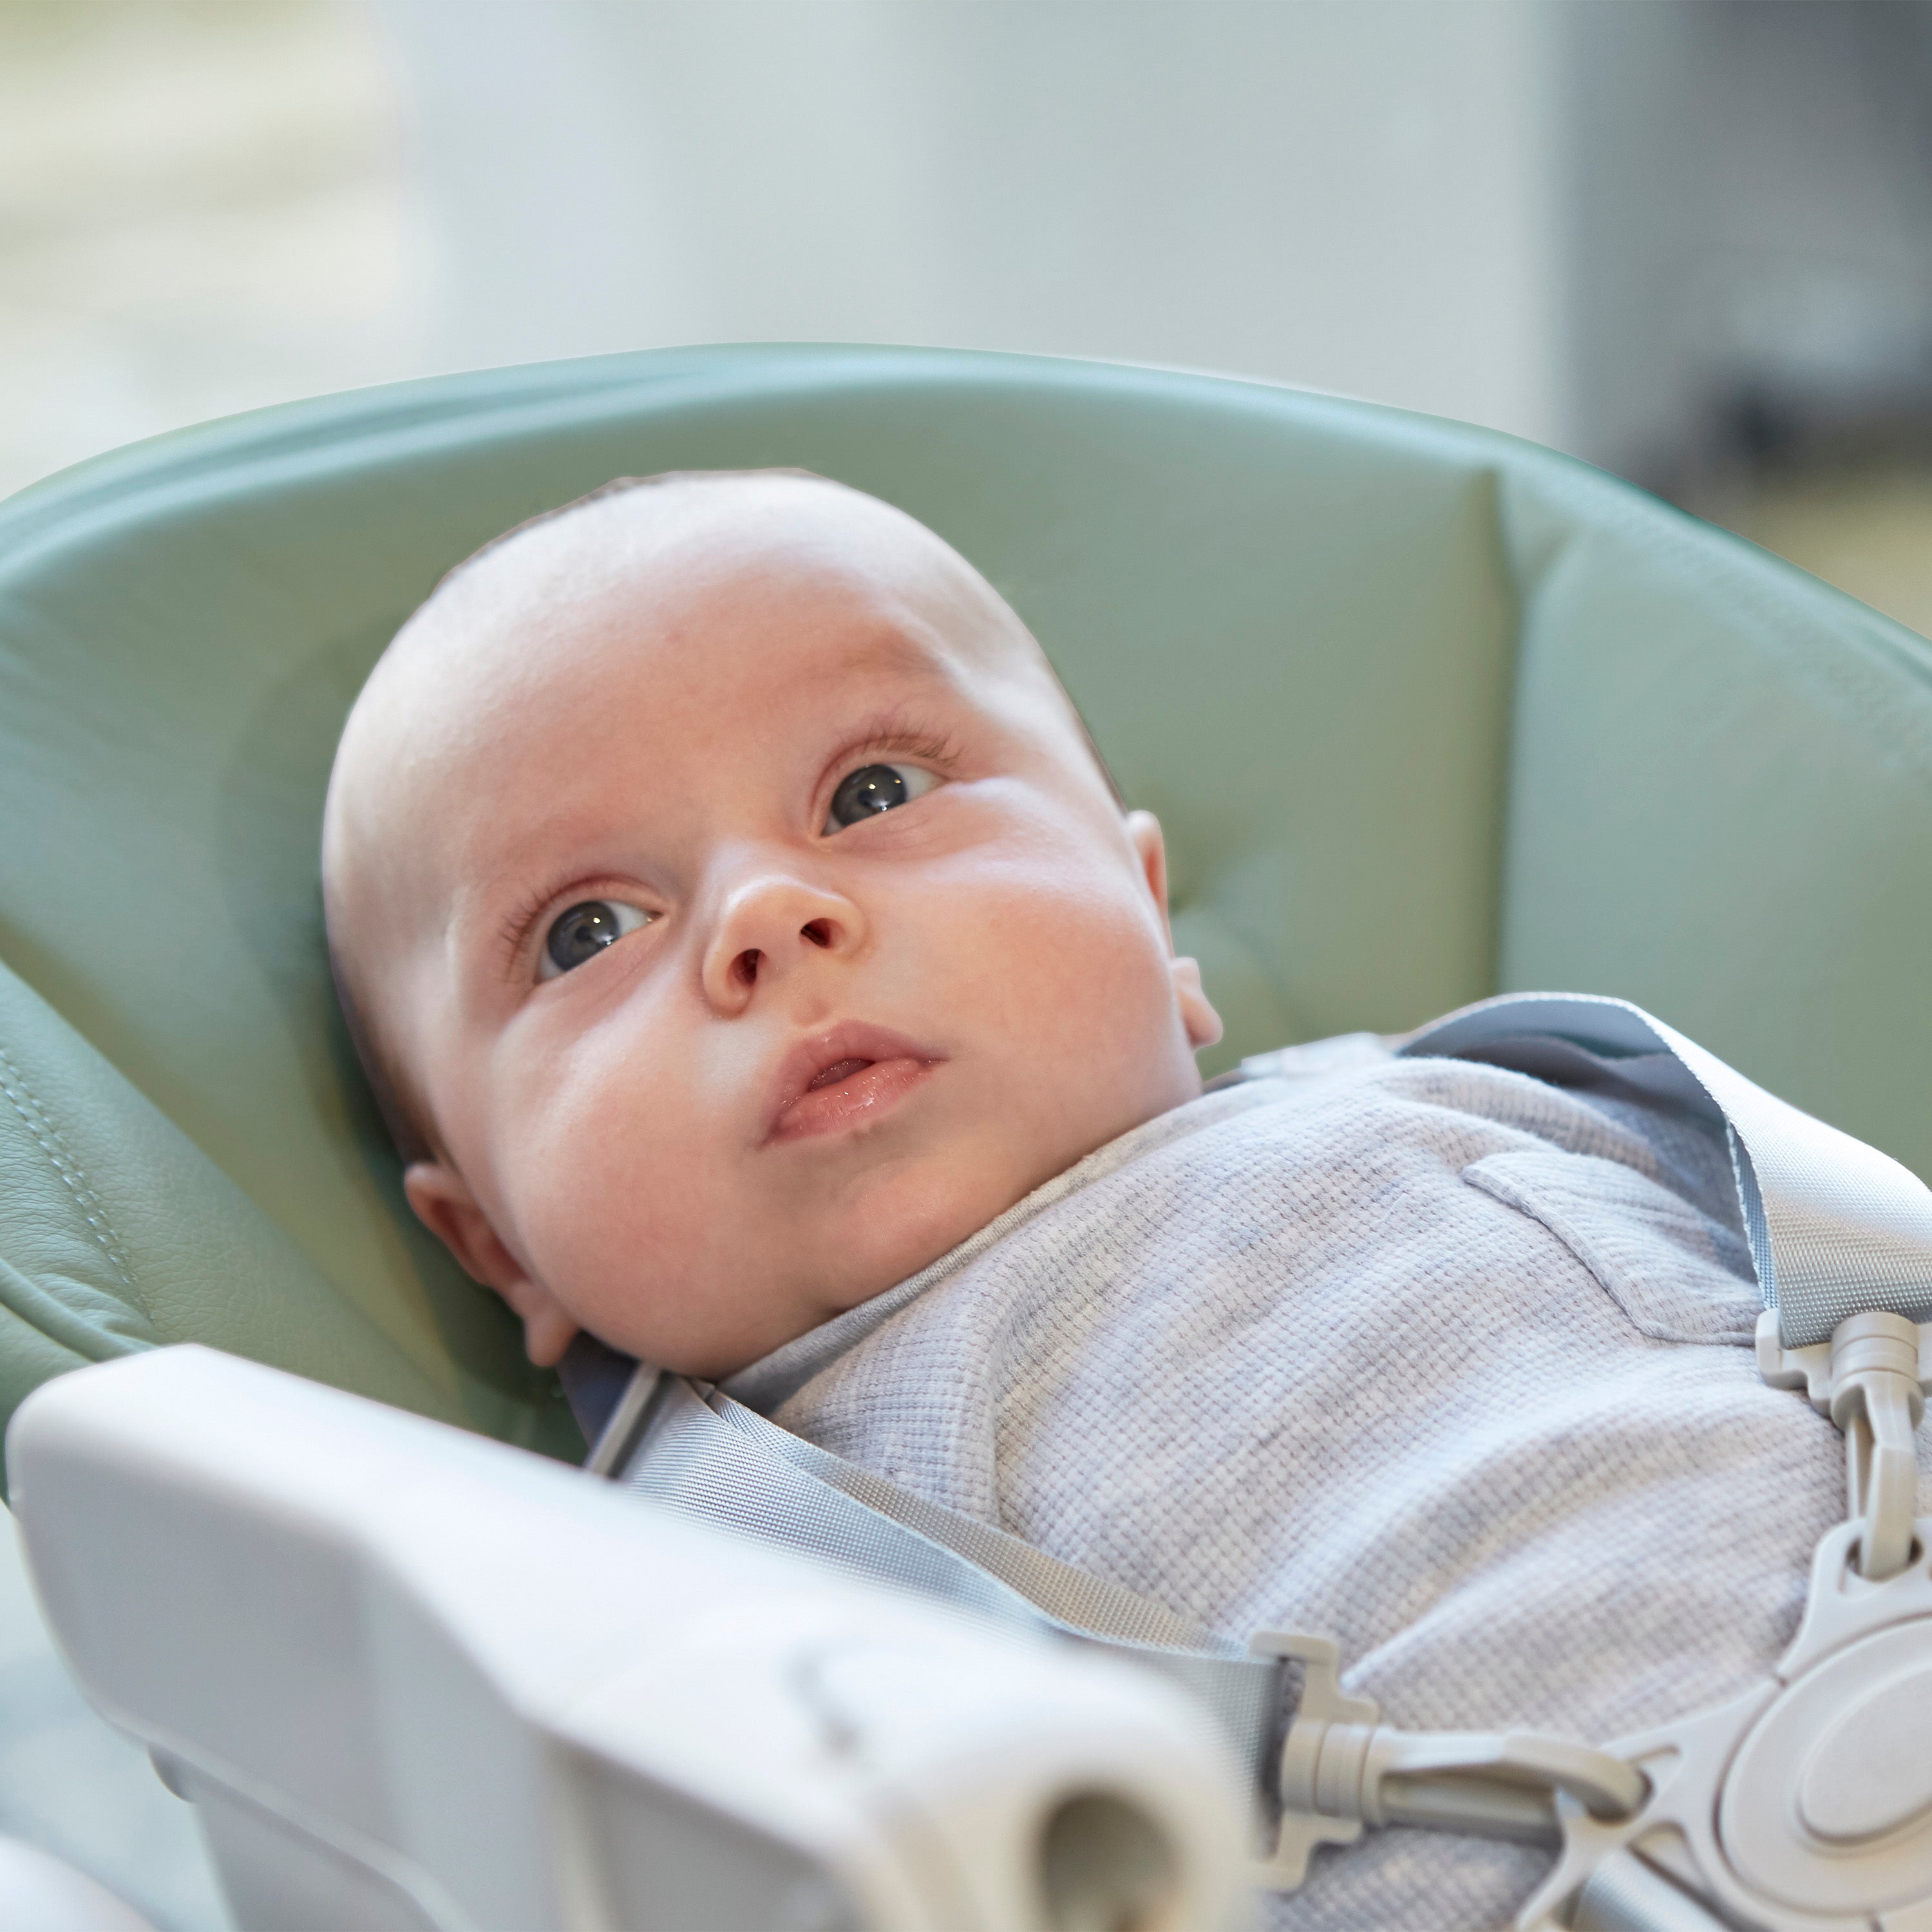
[[1445, 1361]]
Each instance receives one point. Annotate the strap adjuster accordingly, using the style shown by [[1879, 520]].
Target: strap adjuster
[[1342, 1768]]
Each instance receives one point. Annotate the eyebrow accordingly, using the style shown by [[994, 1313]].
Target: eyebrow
[[889, 647]]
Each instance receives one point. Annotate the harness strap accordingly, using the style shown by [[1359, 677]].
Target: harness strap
[[704, 1453], [1835, 1227]]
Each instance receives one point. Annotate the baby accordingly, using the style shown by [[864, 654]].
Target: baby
[[884, 952], [760, 971]]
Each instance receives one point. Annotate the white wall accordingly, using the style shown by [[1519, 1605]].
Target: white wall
[[1351, 194]]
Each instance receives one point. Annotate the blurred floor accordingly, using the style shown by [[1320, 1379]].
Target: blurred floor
[[202, 209], [70, 1784]]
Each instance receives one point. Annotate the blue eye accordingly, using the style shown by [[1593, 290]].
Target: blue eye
[[584, 931], [873, 789]]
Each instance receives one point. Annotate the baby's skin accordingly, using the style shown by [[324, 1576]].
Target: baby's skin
[[727, 896]]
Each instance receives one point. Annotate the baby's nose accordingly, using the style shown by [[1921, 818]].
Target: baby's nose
[[771, 924], [823, 933]]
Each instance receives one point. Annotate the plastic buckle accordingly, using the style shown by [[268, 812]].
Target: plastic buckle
[[1341, 1768], [1323, 1704], [1803, 1805], [1870, 1379]]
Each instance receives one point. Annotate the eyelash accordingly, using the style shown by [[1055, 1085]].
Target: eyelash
[[929, 749], [514, 937]]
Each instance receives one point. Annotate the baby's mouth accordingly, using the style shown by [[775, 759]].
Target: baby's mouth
[[838, 1071], [847, 1077]]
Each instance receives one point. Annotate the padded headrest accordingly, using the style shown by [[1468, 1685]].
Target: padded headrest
[[1425, 711]]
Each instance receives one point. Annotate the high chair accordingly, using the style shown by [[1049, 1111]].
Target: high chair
[[1426, 713]]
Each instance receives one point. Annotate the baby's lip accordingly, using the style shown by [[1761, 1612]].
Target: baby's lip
[[849, 1052]]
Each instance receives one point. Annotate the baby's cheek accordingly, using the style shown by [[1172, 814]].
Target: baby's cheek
[[603, 1182], [1072, 952], [1058, 993]]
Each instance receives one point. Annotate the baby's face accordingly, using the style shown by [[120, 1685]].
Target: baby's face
[[732, 888]]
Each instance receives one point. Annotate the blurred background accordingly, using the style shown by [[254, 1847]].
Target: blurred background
[[1688, 240]]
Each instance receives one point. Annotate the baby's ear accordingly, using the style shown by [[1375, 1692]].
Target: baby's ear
[[1202, 1022], [446, 1208], [1144, 830]]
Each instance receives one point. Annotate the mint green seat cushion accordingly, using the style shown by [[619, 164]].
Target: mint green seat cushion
[[1426, 712]]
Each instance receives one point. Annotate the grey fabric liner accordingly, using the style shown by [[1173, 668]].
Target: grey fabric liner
[[1835, 1227]]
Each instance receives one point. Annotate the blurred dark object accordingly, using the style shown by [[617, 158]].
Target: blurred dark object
[[1752, 265]]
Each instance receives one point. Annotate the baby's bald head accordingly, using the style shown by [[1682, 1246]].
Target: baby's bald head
[[665, 566]]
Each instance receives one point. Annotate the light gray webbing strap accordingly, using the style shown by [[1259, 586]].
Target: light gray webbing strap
[[714, 1458], [1835, 1227]]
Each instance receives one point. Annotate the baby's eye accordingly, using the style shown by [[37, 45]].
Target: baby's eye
[[584, 931], [873, 788]]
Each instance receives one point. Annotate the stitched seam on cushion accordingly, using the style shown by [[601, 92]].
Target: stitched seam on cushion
[[47, 1136]]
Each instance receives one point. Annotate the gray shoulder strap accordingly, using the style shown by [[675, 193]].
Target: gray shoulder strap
[[705, 1454], [1835, 1227]]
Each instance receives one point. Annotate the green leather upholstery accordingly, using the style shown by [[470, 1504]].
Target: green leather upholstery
[[1427, 712]]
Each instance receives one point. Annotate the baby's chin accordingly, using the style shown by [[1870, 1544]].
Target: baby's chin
[[907, 1215], [910, 1216], [860, 1256], [776, 1269]]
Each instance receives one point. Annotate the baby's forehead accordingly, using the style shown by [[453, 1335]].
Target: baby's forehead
[[700, 592], [698, 616], [696, 597], [719, 551]]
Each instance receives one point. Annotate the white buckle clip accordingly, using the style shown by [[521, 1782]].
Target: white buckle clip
[[1341, 1768], [1870, 1379]]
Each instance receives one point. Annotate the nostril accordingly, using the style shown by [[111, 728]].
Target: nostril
[[745, 967], [818, 931]]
